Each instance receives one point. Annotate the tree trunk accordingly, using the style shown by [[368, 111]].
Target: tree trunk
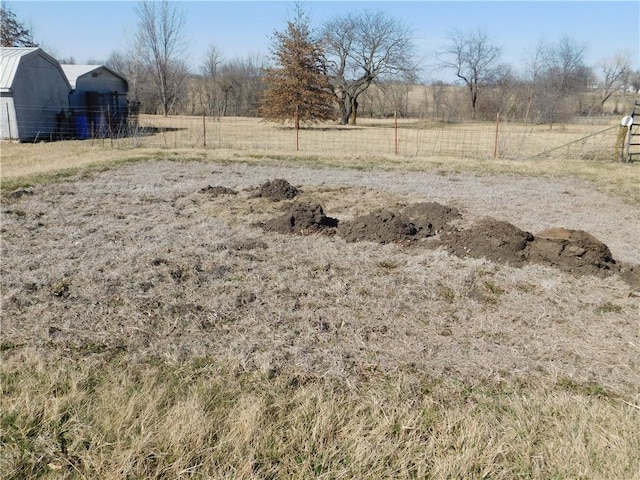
[[345, 110], [354, 111], [474, 99]]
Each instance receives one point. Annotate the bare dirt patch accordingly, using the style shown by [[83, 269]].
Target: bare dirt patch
[[414, 222], [431, 218], [276, 190], [572, 251], [302, 218], [383, 226], [492, 239]]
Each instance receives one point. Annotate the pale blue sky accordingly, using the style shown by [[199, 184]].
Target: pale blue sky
[[93, 29]]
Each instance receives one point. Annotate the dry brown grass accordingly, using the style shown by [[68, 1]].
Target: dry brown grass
[[152, 331], [201, 420]]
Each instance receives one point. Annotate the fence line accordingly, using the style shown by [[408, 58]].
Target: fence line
[[404, 137]]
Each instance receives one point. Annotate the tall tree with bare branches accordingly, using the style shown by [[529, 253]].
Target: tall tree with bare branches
[[615, 74], [13, 33], [298, 87], [362, 49], [474, 60], [160, 44]]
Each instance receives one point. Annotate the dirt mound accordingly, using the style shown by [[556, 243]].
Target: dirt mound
[[383, 226], [492, 239], [302, 218], [276, 190], [431, 218], [571, 251], [218, 190]]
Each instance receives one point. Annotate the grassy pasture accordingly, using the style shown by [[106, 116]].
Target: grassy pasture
[[380, 136], [151, 331]]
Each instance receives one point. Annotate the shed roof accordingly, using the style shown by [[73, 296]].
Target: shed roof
[[73, 72], [10, 58]]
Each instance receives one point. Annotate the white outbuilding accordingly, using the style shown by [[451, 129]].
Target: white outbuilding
[[34, 94]]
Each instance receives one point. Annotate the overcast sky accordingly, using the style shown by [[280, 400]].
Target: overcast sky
[[92, 30]]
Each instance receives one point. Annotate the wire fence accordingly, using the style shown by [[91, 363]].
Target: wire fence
[[596, 138]]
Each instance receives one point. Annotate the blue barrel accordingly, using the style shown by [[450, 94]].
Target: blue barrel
[[82, 127]]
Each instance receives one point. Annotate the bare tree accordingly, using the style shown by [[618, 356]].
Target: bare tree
[[473, 59], [160, 45], [362, 49], [210, 76], [565, 68], [127, 64], [13, 33], [634, 81], [615, 74], [67, 60], [556, 74], [534, 71], [241, 84]]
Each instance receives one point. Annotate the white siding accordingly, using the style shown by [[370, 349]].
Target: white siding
[[8, 123]]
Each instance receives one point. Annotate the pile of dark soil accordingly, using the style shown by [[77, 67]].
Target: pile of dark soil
[[218, 190], [571, 250], [431, 218], [492, 239], [382, 226], [302, 218], [417, 221], [276, 190]]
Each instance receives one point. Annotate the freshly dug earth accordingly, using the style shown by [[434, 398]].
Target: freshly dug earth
[[137, 262], [416, 221], [302, 218], [431, 218], [492, 239], [276, 190], [572, 251], [382, 226]]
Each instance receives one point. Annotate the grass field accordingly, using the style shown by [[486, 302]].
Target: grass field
[[152, 330], [406, 137]]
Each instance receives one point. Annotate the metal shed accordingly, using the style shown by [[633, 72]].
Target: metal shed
[[99, 94], [34, 94]]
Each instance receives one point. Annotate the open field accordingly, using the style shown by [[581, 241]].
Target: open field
[[412, 137], [153, 329]]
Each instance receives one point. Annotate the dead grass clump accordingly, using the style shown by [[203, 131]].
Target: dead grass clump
[[218, 190]]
